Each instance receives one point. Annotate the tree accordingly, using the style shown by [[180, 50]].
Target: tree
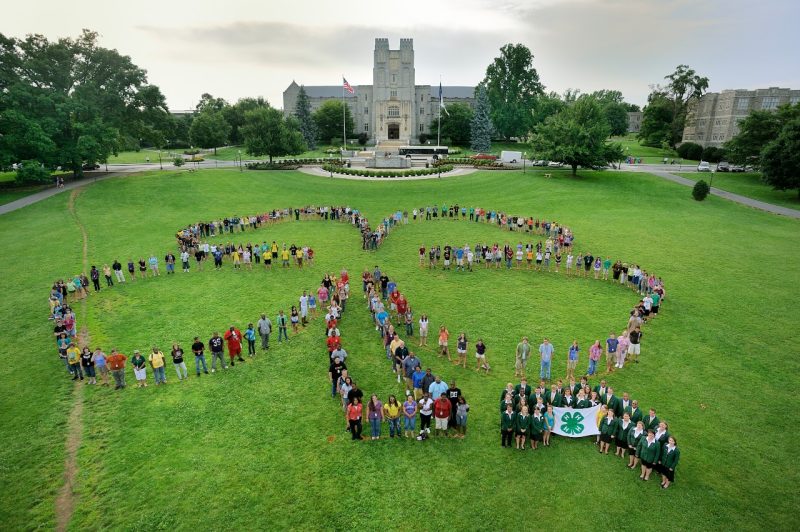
[[577, 136], [328, 119], [755, 132], [615, 109], [456, 124], [234, 115], [302, 111], [713, 154], [684, 86], [481, 126], [513, 87], [209, 103], [32, 172], [780, 158], [209, 129], [546, 106], [691, 151], [267, 131], [84, 99]]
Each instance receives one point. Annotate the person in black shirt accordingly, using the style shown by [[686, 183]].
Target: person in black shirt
[[217, 351], [384, 283], [453, 393], [199, 358], [588, 260], [335, 372]]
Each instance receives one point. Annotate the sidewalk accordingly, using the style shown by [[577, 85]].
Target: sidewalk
[[52, 191]]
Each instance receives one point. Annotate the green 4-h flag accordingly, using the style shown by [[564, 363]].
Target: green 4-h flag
[[575, 423]]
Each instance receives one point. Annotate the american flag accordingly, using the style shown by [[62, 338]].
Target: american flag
[[348, 87]]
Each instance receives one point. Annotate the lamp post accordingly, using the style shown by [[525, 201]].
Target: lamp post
[[524, 154], [241, 169], [160, 165]]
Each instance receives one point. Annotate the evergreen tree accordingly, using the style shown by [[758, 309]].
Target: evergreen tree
[[302, 111], [481, 134]]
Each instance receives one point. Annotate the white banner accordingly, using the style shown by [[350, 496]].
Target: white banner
[[576, 422]]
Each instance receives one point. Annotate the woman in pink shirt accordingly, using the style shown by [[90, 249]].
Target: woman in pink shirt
[[622, 349], [594, 355]]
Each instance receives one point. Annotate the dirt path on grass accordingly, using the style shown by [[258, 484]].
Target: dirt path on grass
[[67, 497]]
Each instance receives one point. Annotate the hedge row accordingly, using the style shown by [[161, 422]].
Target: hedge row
[[384, 173], [291, 164]]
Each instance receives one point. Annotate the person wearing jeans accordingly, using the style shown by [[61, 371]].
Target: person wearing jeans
[[116, 362], [250, 336], [217, 352], [354, 410], [264, 329], [391, 411], [546, 352], [375, 416], [199, 358], [282, 326]]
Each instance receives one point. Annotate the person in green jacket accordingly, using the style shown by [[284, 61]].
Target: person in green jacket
[[670, 455], [634, 437], [608, 431], [651, 420], [621, 440], [634, 411], [507, 421], [581, 401], [522, 427], [537, 427], [649, 453]]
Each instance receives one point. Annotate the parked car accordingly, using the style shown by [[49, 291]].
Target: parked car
[[91, 166], [484, 156], [554, 164], [540, 162], [737, 168], [723, 166], [703, 167]]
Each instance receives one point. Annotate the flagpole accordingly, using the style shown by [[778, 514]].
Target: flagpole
[[439, 127], [344, 115]]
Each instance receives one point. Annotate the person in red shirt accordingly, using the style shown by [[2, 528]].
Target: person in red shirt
[[402, 305], [354, 411], [393, 297], [233, 337], [334, 342], [116, 363], [441, 411], [345, 277]]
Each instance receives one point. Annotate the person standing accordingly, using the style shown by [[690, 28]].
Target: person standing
[[522, 354], [423, 330], [608, 431], [304, 308], [178, 362], [264, 327], [354, 410], [594, 355], [444, 335], [198, 348], [442, 410], [634, 437], [453, 393], [117, 267], [216, 344], [139, 369], [670, 455], [611, 351], [549, 424], [336, 370], [391, 412], [572, 360], [116, 363], [437, 388], [156, 359], [410, 409], [74, 361], [508, 419], [649, 452], [546, 353], [462, 409], [425, 412], [281, 321], [634, 348], [250, 336], [87, 364], [99, 358], [153, 261], [375, 416], [233, 337]]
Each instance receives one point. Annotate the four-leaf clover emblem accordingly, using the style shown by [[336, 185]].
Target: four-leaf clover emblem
[[571, 423]]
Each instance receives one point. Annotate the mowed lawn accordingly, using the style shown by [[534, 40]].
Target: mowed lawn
[[262, 445], [749, 184]]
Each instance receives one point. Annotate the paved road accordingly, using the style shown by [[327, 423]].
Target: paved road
[[660, 170]]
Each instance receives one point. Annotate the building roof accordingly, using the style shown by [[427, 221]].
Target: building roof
[[326, 91], [453, 91]]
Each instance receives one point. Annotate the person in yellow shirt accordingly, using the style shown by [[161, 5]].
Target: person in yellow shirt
[[74, 361], [285, 257], [237, 259], [156, 359], [391, 411], [299, 255]]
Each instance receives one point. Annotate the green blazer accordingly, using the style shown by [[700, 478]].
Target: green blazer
[[537, 425], [670, 459], [609, 428], [570, 403], [522, 424], [636, 415], [614, 403], [597, 390], [649, 453], [650, 422], [576, 389], [555, 402], [633, 439], [622, 433], [506, 421], [503, 405], [504, 392], [527, 390], [584, 403]]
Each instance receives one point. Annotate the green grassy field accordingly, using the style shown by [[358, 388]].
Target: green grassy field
[[632, 147], [262, 445], [749, 184], [13, 194]]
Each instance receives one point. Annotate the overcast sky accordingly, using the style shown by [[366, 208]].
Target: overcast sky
[[240, 48]]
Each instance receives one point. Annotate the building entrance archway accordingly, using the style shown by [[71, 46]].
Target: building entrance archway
[[393, 131]]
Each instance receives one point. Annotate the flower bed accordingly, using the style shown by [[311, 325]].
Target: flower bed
[[384, 173]]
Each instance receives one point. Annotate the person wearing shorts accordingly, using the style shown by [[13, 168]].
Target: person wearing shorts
[[480, 356], [444, 335], [572, 359], [461, 350], [634, 348], [442, 409]]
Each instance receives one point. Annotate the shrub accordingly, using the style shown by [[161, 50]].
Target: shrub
[[362, 139], [423, 138], [700, 190], [32, 172], [178, 161], [193, 151], [690, 150], [713, 155]]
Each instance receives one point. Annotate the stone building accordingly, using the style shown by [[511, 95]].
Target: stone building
[[714, 118], [634, 122], [393, 108]]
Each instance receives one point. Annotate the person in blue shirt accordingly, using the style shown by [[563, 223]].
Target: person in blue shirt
[[611, 351], [460, 259], [437, 388], [250, 336], [416, 380], [546, 352]]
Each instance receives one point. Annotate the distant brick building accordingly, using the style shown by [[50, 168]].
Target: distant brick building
[[634, 122], [714, 118]]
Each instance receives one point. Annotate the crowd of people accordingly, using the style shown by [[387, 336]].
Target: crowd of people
[[426, 394], [527, 419]]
